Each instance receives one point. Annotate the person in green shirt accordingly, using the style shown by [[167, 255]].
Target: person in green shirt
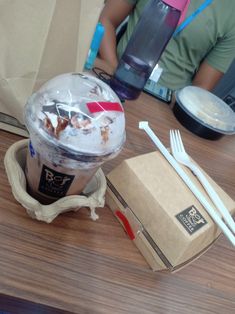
[[199, 55]]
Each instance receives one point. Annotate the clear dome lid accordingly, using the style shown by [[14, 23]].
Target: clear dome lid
[[79, 113], [207, 108]]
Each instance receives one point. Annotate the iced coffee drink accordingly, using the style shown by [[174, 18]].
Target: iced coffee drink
[[76, 123]]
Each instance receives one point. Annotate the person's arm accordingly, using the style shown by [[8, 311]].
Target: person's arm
[[207, 77], [113, 13]]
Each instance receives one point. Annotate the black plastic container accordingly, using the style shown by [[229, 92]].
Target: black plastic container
[[193, 125], [203, 113]]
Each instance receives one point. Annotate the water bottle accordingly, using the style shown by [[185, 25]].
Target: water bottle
[[154, 29]]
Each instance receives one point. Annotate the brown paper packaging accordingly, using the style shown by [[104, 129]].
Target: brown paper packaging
[[159, 212], [39, 40]]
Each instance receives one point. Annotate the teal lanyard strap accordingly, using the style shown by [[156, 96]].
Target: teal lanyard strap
[[189, 19]]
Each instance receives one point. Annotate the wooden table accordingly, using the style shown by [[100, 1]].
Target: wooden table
[[80, 266]]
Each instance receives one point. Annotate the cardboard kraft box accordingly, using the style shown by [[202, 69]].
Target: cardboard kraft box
[[159, 213]]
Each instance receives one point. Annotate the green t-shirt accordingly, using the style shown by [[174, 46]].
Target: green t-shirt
[[210, 36]]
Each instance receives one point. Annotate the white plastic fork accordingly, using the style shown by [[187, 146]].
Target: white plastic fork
[[182, 157], [143, 125]]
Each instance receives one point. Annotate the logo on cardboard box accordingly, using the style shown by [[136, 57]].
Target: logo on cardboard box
[[191, 219]]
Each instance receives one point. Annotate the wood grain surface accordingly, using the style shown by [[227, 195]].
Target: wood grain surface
[[80, 266]]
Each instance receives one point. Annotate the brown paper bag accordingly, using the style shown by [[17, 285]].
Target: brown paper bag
[[39, 40]]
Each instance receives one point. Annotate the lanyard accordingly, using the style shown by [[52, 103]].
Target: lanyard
[[189, 19]]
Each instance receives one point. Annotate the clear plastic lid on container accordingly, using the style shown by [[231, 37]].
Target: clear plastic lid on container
[[207, 108], [79, 113]]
